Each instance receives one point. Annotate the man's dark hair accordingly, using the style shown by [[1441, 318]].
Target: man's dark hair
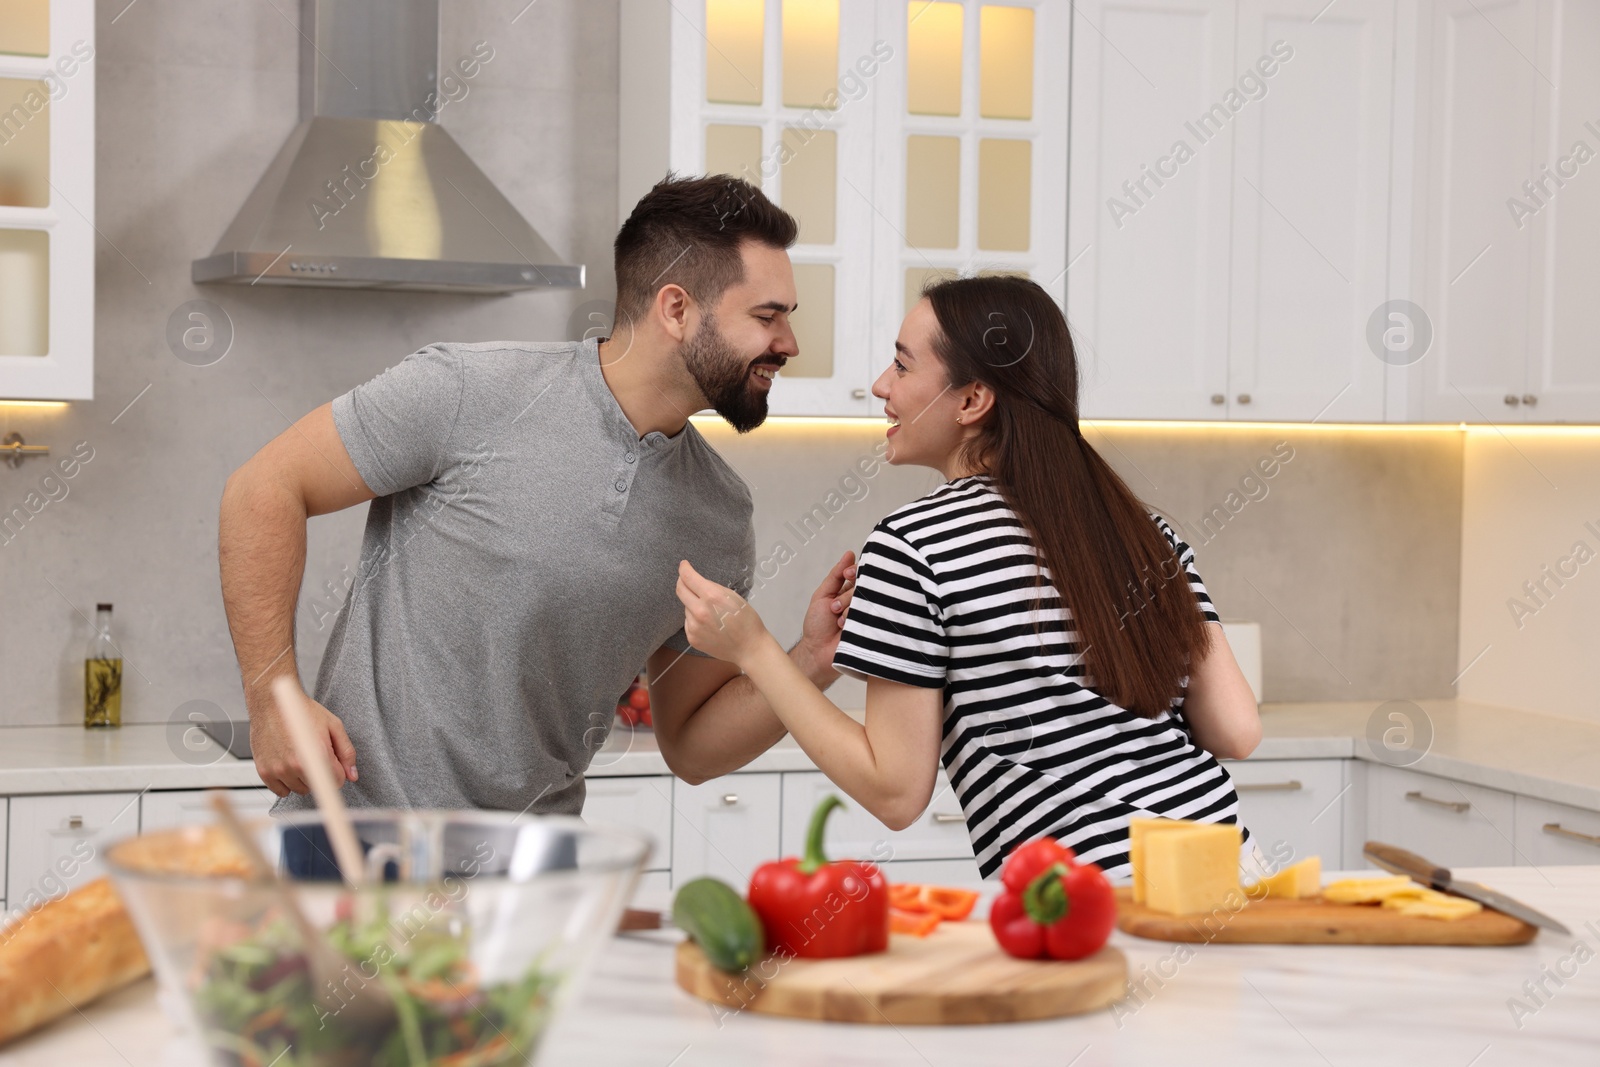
[[687, 232]]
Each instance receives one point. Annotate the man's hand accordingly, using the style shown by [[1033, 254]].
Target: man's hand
[[718, 621], [825, 615], [274, 753]]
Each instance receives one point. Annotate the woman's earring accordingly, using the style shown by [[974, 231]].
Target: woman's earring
[[958, 420]]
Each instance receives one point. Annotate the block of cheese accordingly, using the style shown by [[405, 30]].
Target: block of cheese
[[1138, 830], [1297, 882], [1192, 869]]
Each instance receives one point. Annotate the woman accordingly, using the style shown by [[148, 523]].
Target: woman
[[1029, 622]]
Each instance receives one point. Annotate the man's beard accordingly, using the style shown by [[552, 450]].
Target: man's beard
[[724, 378]]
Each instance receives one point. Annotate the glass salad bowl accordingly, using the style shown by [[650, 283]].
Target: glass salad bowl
[[476, 926]]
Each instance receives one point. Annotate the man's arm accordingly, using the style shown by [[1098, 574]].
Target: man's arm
[[710, 719], [261, 549]]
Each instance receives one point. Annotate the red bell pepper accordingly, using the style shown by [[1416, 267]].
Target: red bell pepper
[[1053, 907], [819, 910]]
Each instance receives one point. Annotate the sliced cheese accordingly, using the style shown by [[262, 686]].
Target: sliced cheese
[[1367, 890], [1297, 882], [1138, 829], [1192, 869], [1432, 904]]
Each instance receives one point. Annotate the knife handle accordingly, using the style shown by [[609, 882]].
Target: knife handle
[[1390, 857]]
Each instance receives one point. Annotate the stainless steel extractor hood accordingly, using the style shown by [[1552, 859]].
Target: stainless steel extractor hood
[[369, 192]]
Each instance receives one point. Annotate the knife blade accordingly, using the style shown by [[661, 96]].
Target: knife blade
[[1397, 860]]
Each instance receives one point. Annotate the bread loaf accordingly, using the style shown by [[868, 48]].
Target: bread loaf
[[63, 954]]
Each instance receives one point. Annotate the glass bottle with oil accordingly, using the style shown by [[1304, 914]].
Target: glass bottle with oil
[[102, 674]]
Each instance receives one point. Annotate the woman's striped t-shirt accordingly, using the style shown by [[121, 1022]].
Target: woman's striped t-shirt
[[946, 599]]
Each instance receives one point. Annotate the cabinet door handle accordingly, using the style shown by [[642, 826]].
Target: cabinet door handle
[[1267, 787], [858, 394], [1528, 400], [1457, 806], [1218, 398], [1512, 400], [1244, 398], [730, 799], [948, 816], [1558, 829]]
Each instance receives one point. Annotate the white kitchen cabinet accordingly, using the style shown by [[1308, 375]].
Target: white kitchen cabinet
[[47, 198], [169, 808], [1508, 98], [1563, 366], [1476, 114], [55, 842], [1451, 823], [907, 140], [640, 803], [726, 827], [1294, 805], [940, 833], [1148, 236], [1310, 231], [1229, 207], [1548, 833]]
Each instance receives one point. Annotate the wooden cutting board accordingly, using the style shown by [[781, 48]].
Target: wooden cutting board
[[1317, 922], [955, 975]]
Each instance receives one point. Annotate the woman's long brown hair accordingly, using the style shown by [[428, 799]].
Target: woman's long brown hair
[[1138, 622]]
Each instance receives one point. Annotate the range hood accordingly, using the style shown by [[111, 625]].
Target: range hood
[[369, 191]]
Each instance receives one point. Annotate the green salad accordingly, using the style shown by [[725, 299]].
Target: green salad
[[258, 1008]]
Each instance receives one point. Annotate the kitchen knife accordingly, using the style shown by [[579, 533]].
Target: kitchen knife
[[1399, 861], [637, 919]]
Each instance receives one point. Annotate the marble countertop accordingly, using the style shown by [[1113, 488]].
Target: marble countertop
[[1541, 756], [1222, 1005], [1503, 748], [71, 759]]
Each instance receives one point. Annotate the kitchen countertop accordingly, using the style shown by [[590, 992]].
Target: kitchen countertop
[[71, 759], [1541, 756], [1197, 1005], [1503, 748]]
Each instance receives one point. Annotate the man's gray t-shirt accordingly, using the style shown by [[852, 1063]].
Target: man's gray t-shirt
[[518, 568]]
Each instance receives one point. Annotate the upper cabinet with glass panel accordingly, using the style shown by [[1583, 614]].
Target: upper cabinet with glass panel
[[977, 166], [46, 200], [902, 137], [25, 27]]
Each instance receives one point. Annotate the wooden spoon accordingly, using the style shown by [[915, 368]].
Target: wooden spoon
[[369, 1003]]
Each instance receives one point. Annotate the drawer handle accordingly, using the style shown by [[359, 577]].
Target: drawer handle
[[730, 799], [949, 816], [1268, 787], [1557, 828], [75, 822], [1454, 805]]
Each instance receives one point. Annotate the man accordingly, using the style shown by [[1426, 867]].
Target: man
[[530, 504]]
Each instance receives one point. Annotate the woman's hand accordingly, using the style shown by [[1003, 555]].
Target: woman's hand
[[718, 621]]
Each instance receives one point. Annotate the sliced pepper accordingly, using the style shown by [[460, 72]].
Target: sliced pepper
[[906, 897], [917, 924], [952, 904]]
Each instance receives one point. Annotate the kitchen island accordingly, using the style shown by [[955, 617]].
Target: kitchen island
[[1197, 1005]]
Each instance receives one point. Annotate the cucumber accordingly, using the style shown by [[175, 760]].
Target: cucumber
[[717, 918]]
